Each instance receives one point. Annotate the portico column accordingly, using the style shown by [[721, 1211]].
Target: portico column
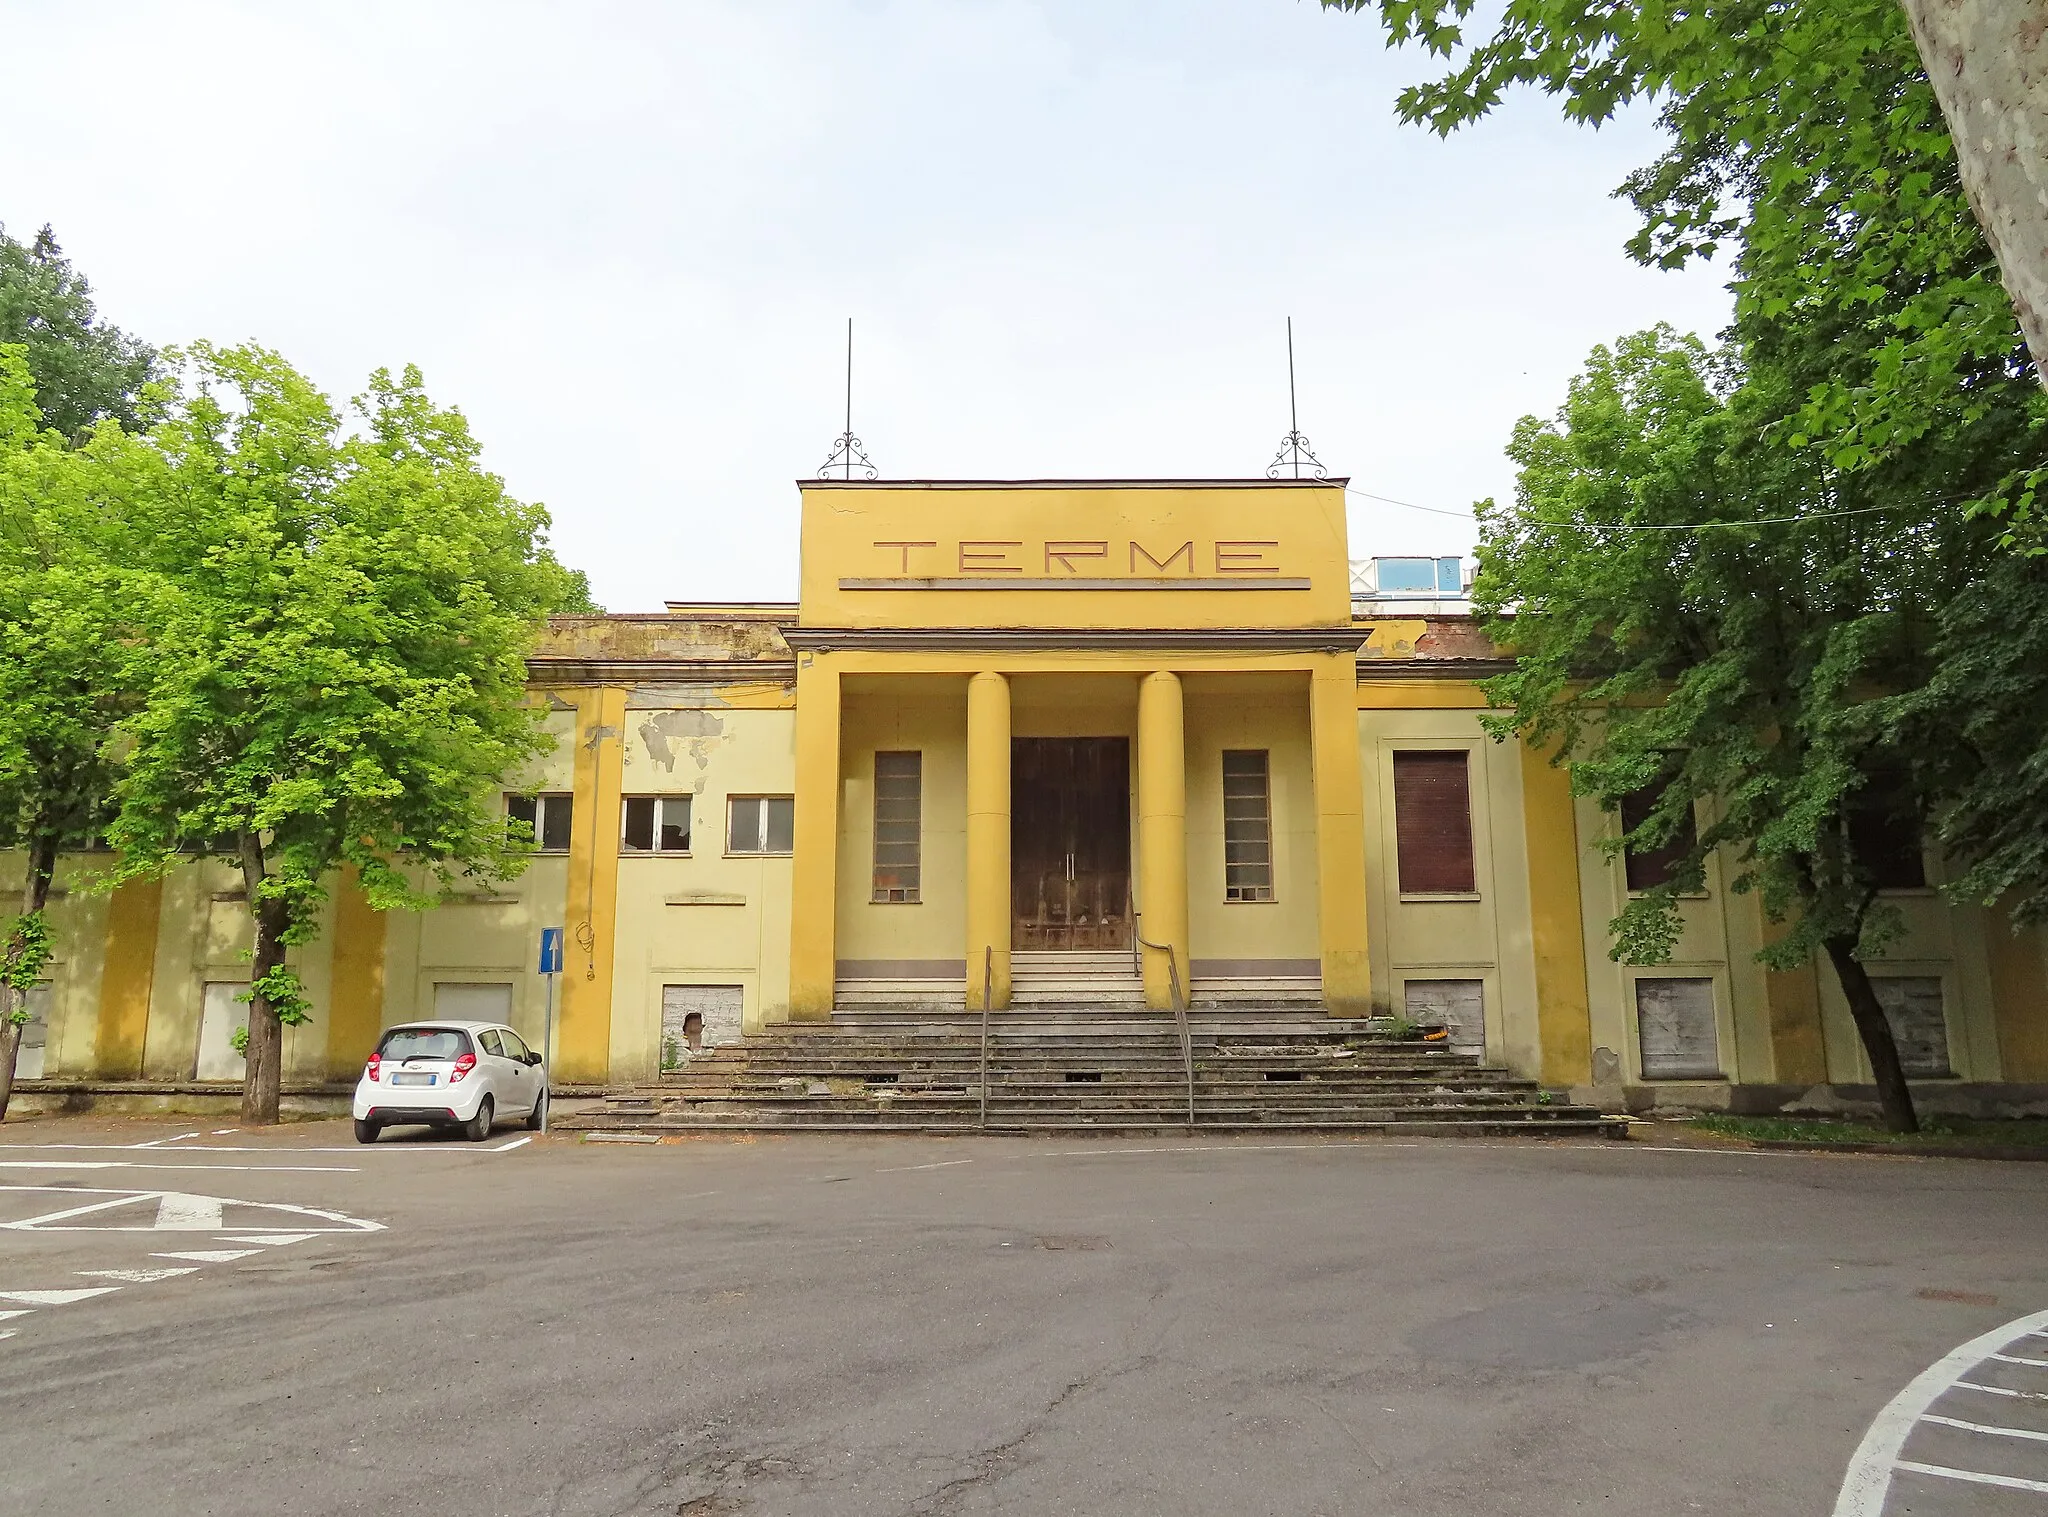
[[1340, 836], [814, 865], [1162, 834], [988, 838]]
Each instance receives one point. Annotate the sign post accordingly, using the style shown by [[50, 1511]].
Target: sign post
[[550, 968]]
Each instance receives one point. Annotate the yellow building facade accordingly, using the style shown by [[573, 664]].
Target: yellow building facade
[[1029, 742]]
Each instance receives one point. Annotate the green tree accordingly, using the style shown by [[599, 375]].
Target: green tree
[[84, 370], [69, 659], [340, 672], [1743, 673], [1806, 137]]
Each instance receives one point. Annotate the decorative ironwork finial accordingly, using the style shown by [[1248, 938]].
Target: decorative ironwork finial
[[846, 453], [1295, 453]]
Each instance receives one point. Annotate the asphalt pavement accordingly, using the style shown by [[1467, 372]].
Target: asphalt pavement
[[227, 1322]]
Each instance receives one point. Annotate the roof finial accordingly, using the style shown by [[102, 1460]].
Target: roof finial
[[1294, 454], [846, 453]]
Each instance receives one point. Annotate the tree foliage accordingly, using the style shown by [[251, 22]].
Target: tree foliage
[[1806, 139], [340, 674], [83, 370], [71, 656]]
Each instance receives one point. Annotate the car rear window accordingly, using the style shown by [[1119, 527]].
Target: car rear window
[[424, 1043]]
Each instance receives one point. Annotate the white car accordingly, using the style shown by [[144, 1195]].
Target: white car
[[450, 1074]]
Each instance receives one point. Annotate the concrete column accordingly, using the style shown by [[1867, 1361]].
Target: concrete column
[[1340, 836], [583, 1032], [1162, 833], [814, 870], [988, 837]]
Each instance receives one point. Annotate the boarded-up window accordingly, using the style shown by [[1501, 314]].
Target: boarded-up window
[[35, 1035], [899, 810], [1247, 826], [222, 1014], [549, 819], [655, 824], [1650, 867], [695, 1017], [760, 824], [1433, 823], [1459, 1005], [1676, 1023], [1913, 1005]]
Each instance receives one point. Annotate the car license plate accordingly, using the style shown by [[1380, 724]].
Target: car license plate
[[412, 1079]]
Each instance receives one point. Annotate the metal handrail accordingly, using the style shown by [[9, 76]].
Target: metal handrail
[[988, 995], [1180, 1015]]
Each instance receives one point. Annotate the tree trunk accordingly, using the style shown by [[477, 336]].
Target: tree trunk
[[263, 1063], [42, 868], [1894, 1099], [1988, 62]]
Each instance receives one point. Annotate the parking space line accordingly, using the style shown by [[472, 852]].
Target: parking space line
[[1987, 1427], [2039, 1364], [1975, 1477], [1869, 1478], [283, 1169], [276, 1148]]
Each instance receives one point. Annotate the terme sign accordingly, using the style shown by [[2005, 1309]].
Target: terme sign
[[1076, 564]]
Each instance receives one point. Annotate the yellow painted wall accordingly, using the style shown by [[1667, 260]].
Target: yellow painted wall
[[928, 716], [78, 916], [2019, 975], [1269, 712], [1238, 536]]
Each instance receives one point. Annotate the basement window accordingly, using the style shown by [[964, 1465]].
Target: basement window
[[760, 824], [1675, 1024], [899, 800], [548, 820], [655, 824], [1247, 825], [1913, 1005]]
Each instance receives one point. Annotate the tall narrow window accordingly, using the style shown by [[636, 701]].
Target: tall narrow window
[[1884, 831], [899, 797], [1650, 867], [1433, 823], [655, 824], [1247, 826], [549, 819], [760, 824]]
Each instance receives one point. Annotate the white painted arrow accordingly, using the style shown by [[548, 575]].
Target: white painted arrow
[[57, 1298]]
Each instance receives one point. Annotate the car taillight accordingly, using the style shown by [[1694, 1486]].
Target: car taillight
[[462, 1067], [370, 1069]]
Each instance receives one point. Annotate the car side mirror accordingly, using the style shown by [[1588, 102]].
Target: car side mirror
[[532, 1057]]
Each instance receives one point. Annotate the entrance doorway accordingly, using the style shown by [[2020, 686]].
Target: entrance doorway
[[1070, 842]]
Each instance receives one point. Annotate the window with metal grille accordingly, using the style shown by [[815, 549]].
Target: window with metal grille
[[1433, 823], [655, 824], [899, 799], [760, 824], [1247, 826], [1650, 867], [549, 819]]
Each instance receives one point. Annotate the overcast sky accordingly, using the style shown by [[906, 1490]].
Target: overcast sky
[[625, 239]]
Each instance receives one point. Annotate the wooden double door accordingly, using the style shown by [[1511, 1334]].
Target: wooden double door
[[1070, 842]]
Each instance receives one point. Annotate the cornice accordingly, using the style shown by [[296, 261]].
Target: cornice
[[1076, 639]]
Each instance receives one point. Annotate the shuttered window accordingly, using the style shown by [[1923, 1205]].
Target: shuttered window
[[1247, 826], [1433, 823], [899, 800], [1676, 1028], [1913, 1005], [1650, 867]]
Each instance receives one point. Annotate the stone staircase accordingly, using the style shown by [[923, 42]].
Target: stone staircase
[[1104, 979], [1094, 1070]]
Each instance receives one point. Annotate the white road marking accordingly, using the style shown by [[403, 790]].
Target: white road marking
[[211, 1255], [1999, 1390], [57, 1298], [455, 1149], [303, 1218], [905, 1169], [1869, 1478], [159, 1142], [1987, 1427], [178, 1212], [1975, 1477], [133, 1276], [2039, 1364], [506, 1148], [270, 1238], [21, 1311], [283, 1169]]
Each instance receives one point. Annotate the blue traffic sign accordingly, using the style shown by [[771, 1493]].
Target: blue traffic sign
[[551, 950]]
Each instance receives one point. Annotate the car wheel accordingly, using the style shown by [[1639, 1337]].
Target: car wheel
[[478, 1127], [366, 1132], [538, 1117]]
